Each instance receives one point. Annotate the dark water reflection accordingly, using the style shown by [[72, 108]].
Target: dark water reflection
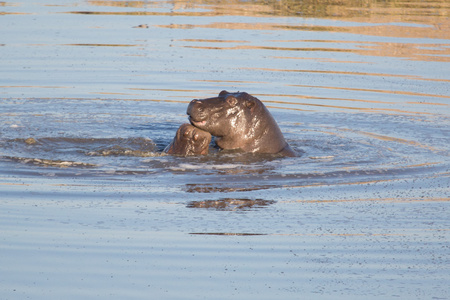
[[231, 204], [92, 91]]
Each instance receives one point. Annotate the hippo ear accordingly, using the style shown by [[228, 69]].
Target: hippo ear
[[250, 103], [231, 100], [223, 93], [195, 137]]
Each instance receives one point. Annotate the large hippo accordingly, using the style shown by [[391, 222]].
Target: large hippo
[[189, 141], [239, 121]]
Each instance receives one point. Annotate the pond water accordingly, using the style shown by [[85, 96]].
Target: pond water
[[92, 91]]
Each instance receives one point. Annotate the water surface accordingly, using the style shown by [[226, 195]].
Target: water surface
[[92, 92]]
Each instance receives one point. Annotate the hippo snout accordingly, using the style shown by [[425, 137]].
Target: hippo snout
[[197, 114], [195, 110]]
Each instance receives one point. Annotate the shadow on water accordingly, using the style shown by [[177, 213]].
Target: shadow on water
[[231, 204]]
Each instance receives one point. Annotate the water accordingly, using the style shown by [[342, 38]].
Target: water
[[92, 91]]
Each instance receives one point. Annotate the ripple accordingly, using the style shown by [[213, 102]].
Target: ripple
[[96, 89]]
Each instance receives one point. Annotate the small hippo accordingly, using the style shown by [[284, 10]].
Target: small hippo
[[239, 121], [189, 141]]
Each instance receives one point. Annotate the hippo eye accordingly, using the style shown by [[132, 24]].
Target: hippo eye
[[250, 103], [231, 100], [195, 137]]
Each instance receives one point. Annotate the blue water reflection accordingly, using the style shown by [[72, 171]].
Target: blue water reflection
[[92, 91]]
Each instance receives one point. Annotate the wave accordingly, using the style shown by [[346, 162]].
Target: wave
[[48, 162], [64, 152]]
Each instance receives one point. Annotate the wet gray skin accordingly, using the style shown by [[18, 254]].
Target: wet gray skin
[[189, 141], [239, 121]]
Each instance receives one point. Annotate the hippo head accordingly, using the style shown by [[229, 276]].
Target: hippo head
[[239, 121], [189, 141], [229, 114]]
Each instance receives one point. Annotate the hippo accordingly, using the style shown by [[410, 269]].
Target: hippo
[[239, 121], [189, 140]]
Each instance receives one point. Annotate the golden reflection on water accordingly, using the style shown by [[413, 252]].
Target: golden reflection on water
[[394, 139], [379, 91], [134, 4], [432, 52], [405, 19], [400, 31], [386, 138], [408, 19], [399, 10], [410, 77], [342, 107]]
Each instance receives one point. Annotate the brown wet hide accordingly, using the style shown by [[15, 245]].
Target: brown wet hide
[[239, 121], [189, 140]]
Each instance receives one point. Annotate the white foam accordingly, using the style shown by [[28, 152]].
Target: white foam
[[322, 157], [185, 166]]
